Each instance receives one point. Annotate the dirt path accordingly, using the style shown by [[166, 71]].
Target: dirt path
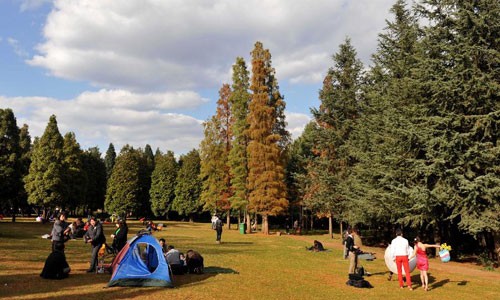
[[452, 266]]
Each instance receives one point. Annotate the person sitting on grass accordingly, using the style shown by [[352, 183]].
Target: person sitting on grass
[[56, 266], [317, 247], [174, 260], [194, 262]]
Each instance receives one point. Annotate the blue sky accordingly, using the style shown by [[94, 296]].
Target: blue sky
[[148, 71]]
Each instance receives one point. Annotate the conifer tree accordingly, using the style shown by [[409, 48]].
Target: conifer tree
[[163, 181], [239, 100], [95, 170], [25, 148], [123, 194], [387, 140], [266, 137], [75, 177], [10, 161], [187, 190], [336, 118], [45, 181], [109, 159], [461, 79], [214, 155]]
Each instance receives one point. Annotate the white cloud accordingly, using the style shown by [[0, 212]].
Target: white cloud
[[296, 123], [18, 50], [124, 118], [32, 4], [152, 45]]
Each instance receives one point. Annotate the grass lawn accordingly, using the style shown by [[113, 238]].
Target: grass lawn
[[242, 267]]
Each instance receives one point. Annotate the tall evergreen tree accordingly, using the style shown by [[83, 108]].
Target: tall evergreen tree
[[95, 170], [163, 182], [266, 137], [45, 181], [123, 194], [109, 160], [10, 161], [239, 100], [188, 187], [75, 179], [336, 118], [25, 148], [387, 141], [462, 84]]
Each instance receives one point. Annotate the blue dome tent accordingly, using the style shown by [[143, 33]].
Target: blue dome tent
[[141, 263]]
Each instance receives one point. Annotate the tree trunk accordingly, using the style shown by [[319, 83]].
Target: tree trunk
[[341, 232], [496, 241], [228, 220], [265, 225], [249, 222], [330, 226]]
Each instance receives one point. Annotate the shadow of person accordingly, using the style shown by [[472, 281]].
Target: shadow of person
[[219, 270], [196, 279]]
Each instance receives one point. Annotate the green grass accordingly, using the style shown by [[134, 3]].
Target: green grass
[[242, 267]]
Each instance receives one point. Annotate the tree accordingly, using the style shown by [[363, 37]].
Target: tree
[[188, 187], [237, 160], [163, 182], [300, 154], [75, 177], [109, 160], [124, 189], [25, 148], [461, 85], [95, 170], [265, 165], [387, 141], [45, 181], [214, 154], [10, 162], [336, 118]]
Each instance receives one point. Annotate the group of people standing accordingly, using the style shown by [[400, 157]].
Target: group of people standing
[[400, 252], [56, 266]]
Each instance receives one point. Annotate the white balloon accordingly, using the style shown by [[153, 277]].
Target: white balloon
[[391, 264]]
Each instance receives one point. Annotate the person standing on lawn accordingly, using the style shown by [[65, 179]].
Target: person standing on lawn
[[60, 230], [400, 253], [94, 236], [422, 260]]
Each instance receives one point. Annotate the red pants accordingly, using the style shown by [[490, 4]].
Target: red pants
[[402, 261]]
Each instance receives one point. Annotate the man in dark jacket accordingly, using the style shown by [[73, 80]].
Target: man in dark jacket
[[56, 266], [94, 236]]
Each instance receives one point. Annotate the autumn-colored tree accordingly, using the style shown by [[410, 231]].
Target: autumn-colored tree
[[265, 165], [214, 154], [239, 100]]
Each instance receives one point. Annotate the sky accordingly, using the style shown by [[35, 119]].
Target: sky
[[143, 72]]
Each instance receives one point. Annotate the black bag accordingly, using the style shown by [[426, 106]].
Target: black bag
[[359, 283], [360, 271]]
